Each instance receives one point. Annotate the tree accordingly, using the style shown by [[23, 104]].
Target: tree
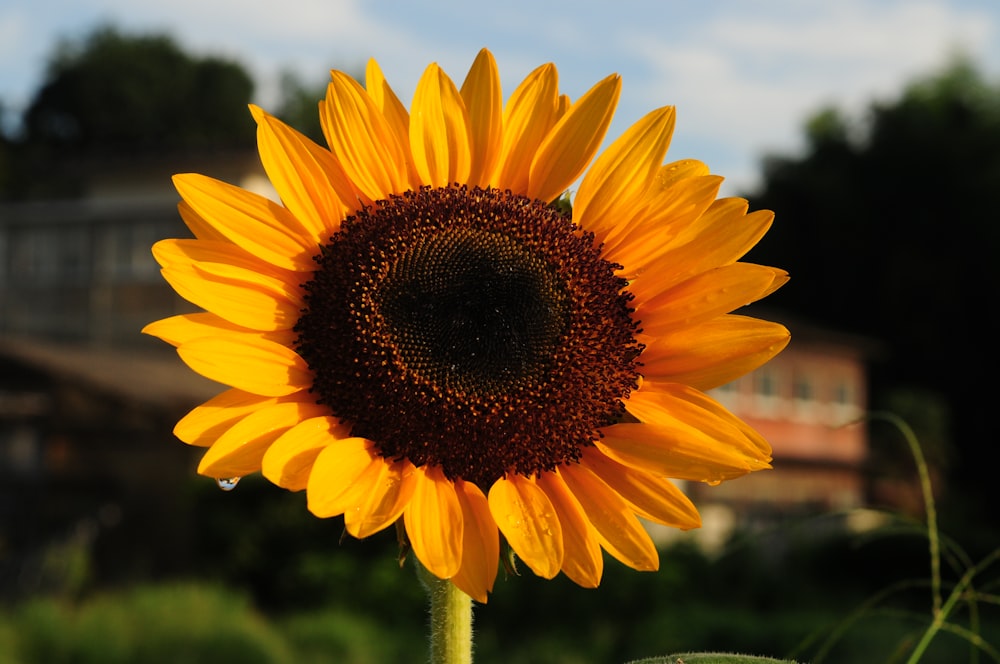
[[299, 106], [111, 92], [889, 229]]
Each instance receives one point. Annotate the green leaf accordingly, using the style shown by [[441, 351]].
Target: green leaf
[[711, 658]]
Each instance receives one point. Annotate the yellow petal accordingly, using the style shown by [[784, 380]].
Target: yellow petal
[[243, 297], [618, 178], [200, 228], [389, 487], [714, 352], [239, 450], [289, 459], [654, 498], [332, 486], [675, 450], [719, 237], [484, 102], [251, 364], [169, 253], [434, 522], [658, 401], [582, 560], [439, 133], [252, 222], [621, 532], [307, 178], [573, 141], [706, 296], [675, 171], [203, 425], [480, 543], [395, 113], [678, 406], [362, 139], [525, 516], [184, 327], [528, 116], [654, 228]]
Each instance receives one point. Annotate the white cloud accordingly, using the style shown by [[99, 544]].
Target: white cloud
[[750, 79]]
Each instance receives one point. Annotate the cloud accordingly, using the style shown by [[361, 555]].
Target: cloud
[[750, 79]]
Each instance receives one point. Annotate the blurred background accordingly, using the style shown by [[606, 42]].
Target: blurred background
[[871, 127]]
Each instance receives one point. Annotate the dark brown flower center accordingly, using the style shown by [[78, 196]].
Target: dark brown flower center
[[473, 329]]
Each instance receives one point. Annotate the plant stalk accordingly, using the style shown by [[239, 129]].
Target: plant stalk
[[451, 620]]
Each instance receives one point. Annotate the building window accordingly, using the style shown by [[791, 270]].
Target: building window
[[844, 406], [766, 391], [804, 397]]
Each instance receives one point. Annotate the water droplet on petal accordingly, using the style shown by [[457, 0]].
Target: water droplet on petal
[[227, 483]]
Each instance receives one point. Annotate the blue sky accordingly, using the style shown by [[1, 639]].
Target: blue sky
[[744, 74]]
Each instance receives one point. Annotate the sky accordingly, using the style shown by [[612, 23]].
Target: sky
[[744, 74]]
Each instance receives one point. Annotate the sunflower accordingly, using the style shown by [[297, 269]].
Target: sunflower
[[421, 332]]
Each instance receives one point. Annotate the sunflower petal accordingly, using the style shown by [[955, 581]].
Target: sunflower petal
[[525, 516], [672, 449], [239, 450], [528, 116], [677, 405], [169, 253], [434, 522], [200, 228], [252, 222], [706, 296], [289, 459], [714, 352], [573, 141], [484, 102], [582, 559], [719, 237], [394, 111], [675, 171], [656, 401], [181, 328], [480, 543], [307, 178], [654, 498], [613, 186], [203, 425], [249, 363], [362, 139], [390, 489], [621, 532], [653, 230], [332, 486], [243, 297], [439, 134]]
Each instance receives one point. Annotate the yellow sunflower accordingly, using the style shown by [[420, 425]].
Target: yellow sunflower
[[417, 332]]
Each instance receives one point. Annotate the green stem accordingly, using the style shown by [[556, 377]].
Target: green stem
[[933, 537], [451, 620]]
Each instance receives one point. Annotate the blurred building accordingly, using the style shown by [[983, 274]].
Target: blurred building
[[87, 403], [806, 402]]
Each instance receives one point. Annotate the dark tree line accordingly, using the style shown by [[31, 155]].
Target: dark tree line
[[889, 228], [112, 95]]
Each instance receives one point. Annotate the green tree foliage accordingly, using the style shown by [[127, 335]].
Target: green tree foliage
[[299, 105], [113, 92], [889, 228]]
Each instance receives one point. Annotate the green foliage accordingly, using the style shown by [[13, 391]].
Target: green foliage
[[110, 92], [299, 105], [175, 623]]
